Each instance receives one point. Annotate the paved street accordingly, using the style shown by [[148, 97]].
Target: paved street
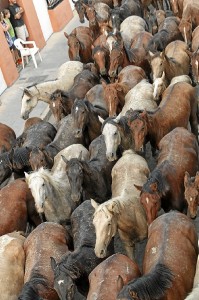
[[54, 54]]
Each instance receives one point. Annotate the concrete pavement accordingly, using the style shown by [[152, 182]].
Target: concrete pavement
[[54, 54]]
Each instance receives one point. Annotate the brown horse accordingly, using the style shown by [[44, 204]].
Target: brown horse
[[40, 158], [165, 185], [101, 59], [47, 240], [118, 60], [151, 125], [31, 121], [79, 44], [169, 266], [116, 92], [191, 193], [108, 278], [7, 138], [17, 207]]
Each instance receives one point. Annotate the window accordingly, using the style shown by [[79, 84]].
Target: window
[[53, 3]]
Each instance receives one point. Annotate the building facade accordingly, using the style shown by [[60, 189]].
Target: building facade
[[42, 18]]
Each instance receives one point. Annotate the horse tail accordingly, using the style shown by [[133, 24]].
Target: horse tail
[[154, 284]]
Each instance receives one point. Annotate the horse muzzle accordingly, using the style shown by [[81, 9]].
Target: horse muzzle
[[101, 253], [25, 115], [111, 156], [103, 72]]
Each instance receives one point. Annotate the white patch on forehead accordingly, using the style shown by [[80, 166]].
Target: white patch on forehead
[[147, 200], [60, 282], [191, 199], [53, 104], [196, 63], [153, 250], [76, 109], [185, 36]]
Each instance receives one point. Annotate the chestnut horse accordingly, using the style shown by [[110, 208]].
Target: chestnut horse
[[116, 92], [7, 138], [118, 60], [108, 278], [165, 185], [79, 44], [150, 126], [47, 240], [191, 193], [169, 266], [17, 207]]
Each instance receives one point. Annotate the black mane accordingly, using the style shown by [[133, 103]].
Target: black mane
[[30, 289]]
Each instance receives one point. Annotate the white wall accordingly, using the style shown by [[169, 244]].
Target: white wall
[[72, 4], [43, 16], [3, 84]]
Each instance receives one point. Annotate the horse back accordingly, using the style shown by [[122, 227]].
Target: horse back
[[163, 248]]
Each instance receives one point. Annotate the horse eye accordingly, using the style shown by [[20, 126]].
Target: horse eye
[[115, 133], [43, 184]]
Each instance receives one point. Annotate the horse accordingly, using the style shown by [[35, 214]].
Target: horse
[[31, 121], [79, 44], [89, 178], [164, 272], [40, 158], [51, 194], [117, 137], [69, 152], [7, 138], [65, 137], [111, 275], [12, 259], [5, 167], [17, 207], [118, 60], [191, 185], [96, 97], [34, 93], [165, 185], [116, 92], [86, 122], [174, 61], [149, 126], [177, 7], [168, 33], [73, 269], [48, 239], [123, 212], [101, 58]]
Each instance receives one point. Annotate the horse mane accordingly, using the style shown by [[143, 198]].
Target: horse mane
[[70, 268], [98, 48], [152, 285], [5, 158], [132, 115], [30, 289], [109, 120], [21, 156]]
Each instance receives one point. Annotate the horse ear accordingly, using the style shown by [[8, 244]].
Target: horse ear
[[66, 35], [92, 47], [101, 119], [189, 53], [65, 160], [104, 84], [154, 187], [113, 207], [94, 204], [27, 92], [144, 114], [151, 54], [73, 1], [186, 179], [53, 263], [119, 87], [163, 75], [120, 283], [80, 156], [138, 187], [26, 175]]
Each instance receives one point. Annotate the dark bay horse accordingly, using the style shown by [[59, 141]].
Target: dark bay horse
[[74, 268], [7, 138], [86, 121], [165, 185], [151, 126], [47, 240], [79, 44], [17, 207], [191, 193], [169, 266], [40, 158]]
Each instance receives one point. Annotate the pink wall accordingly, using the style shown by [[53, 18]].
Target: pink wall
[[60, 15]]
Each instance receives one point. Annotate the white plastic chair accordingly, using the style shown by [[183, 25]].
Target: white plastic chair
[[19, 44]]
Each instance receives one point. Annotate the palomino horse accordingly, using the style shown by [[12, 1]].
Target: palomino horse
[[86, 122], [124, 212], [51, 193], [164, 273], [7, 138], [74, 268], [17, 207], [191, 193], [149, 126], [174, 61], [40, 91], [47, 240], [12, 259], [165, 185], [108, 278], [117, 137], [79, 44], [116, 92]]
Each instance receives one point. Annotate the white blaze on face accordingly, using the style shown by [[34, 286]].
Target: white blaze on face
[[53, 104], [185, 35], [76, 109], [36, 184], [112, 140], [60, 282], [147, 200]]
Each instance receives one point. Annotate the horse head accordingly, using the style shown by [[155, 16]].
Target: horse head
[[191, 194], [157, 64], [80, 115], [40, 158], [80, 10], [63, 282], [74, 46], [185, 28], [105, 222], [28, 102], [111, 97], [55, 105], [159, 86], [137, 123], [116, 60]]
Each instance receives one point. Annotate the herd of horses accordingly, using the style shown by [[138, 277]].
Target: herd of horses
[[119, 164]]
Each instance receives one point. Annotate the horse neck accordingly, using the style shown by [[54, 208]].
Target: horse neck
[[126, 139], [94, 125], [56, 188], [154, 127], [43, 89]]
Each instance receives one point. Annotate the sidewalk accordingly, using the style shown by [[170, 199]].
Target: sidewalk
[[54, 54]]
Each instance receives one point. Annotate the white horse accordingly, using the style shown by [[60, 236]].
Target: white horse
[[41, 91], [124, 212], [195, 291], [12, 261], [51, 193]]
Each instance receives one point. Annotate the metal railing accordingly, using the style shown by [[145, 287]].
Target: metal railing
[[53, 3]]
